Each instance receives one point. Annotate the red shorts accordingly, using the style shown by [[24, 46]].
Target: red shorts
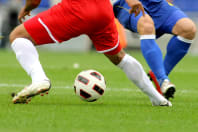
[[71, 18]]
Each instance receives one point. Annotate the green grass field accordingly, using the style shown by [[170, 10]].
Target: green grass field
[[123, 108]]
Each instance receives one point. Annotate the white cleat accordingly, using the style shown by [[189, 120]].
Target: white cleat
[[25, 95], [163, 103], [168, 89]]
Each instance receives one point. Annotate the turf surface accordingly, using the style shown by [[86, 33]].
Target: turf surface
[[123, 108]]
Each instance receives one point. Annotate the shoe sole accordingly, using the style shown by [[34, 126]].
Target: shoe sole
[[26, 99], [170, 93]]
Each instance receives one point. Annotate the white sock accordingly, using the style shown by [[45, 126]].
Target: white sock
[[28, 57], [136, 74]]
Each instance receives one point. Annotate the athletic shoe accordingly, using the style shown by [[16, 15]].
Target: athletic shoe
[[163, 103], [154, 79], [168, 89], [30, 91]]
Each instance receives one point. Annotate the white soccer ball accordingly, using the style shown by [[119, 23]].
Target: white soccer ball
[[89, 85]]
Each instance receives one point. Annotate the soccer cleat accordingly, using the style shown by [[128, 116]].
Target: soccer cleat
[[168, 89], [154, 79], [163, 103], [30, 91]]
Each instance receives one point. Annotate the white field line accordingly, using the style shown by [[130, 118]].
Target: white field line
[[60, 67], [63, 87], [195, 71], [109, 89]]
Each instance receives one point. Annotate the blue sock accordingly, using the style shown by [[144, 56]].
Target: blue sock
[[153, 56], [176, 50]]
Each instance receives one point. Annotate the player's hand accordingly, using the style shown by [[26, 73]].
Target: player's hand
[[29, 6], [24, 12], [136, 7]]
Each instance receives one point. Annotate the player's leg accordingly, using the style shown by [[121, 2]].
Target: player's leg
[[150, 48], [44, 28], [172, 20], [27, 55], [175, 22], [151, 51], [135, 72], [154, 57], [145, 27], [107, 42], [184, 32]]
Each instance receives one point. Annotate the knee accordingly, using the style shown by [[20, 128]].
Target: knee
[[18, 32], [186, 29], [146, 25], [12, 36], [189, 31]]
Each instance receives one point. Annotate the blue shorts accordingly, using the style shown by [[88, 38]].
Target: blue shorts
[[164, 19]]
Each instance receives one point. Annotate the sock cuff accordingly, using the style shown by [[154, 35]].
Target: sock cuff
[[142, 37], [15, 42], [13, 45], [123, 61], [184, 39]]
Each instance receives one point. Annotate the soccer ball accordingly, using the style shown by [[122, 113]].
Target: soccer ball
[[89, 85]]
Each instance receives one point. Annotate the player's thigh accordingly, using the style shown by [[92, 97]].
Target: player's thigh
[[128, 20], [165, 24], [20, 32], [54, 25], [40, 32]]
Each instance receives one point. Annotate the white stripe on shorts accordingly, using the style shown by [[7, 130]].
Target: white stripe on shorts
[[48, 31], [104, 51]]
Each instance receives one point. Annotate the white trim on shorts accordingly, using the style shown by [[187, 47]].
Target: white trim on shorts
[[48, 31], [108, 50]]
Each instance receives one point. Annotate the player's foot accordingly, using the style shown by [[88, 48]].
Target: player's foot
[[168, 89], [163, 103], [154, 79], [25, 95]]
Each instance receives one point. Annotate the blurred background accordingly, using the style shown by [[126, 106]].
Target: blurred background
[[8, 20]]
